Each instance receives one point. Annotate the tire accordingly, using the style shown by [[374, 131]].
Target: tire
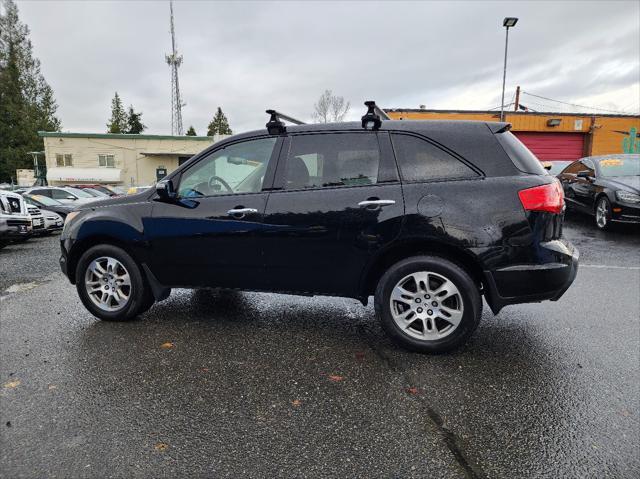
[[603, 213], [427, 328], [117, 266]]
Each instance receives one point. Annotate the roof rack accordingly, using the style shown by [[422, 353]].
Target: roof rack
[[371, 119], [275, 126]]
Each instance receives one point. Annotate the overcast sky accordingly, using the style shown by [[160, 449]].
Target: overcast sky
[[249, 56]]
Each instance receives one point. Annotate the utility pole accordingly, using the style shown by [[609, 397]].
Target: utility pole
[[508, 22], [174, 61], [517, 103]]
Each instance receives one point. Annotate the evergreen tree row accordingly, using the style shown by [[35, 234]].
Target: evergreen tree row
[[27, 104]]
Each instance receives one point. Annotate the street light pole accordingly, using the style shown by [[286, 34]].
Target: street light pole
[[507, 23]]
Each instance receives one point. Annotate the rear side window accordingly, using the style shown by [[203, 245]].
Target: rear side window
[[328, 160], [420, 160], [520, 155]]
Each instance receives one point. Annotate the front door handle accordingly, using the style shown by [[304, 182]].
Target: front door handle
[[366, 203], [240, 212]]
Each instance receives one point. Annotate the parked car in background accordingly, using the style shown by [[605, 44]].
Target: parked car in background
[[46, 203], [109, 190], [606, 187], [134, 190], [95, 193], [15, 222], [37, 220], [426, 216], [52, 221], [65, 195]]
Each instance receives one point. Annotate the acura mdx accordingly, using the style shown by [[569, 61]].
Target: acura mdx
[[428, 217]]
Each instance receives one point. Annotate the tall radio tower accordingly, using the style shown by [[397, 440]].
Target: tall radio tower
[[174, 61]]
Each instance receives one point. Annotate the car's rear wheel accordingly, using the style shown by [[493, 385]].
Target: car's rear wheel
[[428, 304], [110, 284], [603, 213]]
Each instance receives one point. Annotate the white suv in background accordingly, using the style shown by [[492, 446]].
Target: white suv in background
[[15, 223], [66, 195]]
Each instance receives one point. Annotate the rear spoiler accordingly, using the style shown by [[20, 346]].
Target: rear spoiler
[[498, 127]]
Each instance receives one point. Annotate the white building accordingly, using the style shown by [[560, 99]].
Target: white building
[[119, 159]]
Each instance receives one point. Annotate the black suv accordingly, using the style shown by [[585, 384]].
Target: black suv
[[427, 216]]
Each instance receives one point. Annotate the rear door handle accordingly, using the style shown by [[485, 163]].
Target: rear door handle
[[376, 203], [241, 211]]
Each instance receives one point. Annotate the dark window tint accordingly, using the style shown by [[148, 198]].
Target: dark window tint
[[419, 160], [338, 159], [520, 155]]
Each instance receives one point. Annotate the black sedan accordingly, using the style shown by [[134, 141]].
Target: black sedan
[[46, 203], [607, 187]]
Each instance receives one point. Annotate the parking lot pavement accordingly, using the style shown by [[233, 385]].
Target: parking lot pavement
[[229, 384]]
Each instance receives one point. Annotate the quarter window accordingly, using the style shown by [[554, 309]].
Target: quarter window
[[64, 159], [419, 160], [329, 160], [107, 161], [238, 168]]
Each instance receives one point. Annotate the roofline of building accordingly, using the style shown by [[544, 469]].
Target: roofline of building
[[121, 136], [506, 112]]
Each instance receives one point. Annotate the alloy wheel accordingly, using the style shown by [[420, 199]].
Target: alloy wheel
[[602, 211], [426, 305], [108, 283]]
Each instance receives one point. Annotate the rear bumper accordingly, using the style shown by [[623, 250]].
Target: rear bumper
[[15, 228], [530, 283]]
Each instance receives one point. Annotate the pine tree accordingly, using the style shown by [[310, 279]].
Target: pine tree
[[219, 125], [118, 121], [27, 102], [191, 131], [134, 122]]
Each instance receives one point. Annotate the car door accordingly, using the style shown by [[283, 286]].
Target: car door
[[336, 202], [209, 235]]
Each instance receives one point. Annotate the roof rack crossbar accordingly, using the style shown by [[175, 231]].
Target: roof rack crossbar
[[275, 125]]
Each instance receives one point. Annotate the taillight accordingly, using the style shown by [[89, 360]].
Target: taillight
[[549, 197]]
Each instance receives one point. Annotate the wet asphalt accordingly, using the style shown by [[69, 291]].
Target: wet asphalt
[[225, 384]]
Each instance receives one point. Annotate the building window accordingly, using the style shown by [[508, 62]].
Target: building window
[[64, 160], [107, 161]]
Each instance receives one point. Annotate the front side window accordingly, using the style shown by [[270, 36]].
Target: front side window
[[238, 168], [60, 195], [329, 160], [107, 161], [588, 166], [573, 168], [64, 159], [419, 160]]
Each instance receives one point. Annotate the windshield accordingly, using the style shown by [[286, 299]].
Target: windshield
[[79, 193], [623, 165], [94, 192], [45, 200], [116, 189]]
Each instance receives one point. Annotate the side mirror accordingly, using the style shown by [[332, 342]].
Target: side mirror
[[70, 197], [165, 190], [586, 174]]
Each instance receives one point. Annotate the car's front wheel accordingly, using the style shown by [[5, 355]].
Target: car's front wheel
[[603, 213], [428, 304], [110, 284]]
